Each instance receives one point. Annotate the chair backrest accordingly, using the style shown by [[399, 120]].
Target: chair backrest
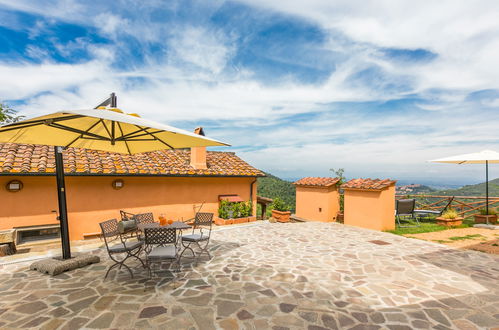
[[448, 205], [126, 215], [110, 230], [142, 218], [203, 219], [405, 206], [160, 235]]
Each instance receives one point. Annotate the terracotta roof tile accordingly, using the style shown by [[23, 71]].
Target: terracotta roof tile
[[317, 181], [369, 184], [29, 158]]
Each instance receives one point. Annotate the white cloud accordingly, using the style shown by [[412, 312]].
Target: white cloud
[[191, 83], [206, 49]]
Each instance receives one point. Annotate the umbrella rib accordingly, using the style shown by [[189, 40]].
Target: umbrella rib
[[107, 130], [75, 130], [13, 128], [43, 121], [81, 135], [126, 143], [128, 137], [156, 138], [132, 134]]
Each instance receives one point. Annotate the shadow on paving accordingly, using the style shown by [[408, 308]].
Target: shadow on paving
[[461, 309]]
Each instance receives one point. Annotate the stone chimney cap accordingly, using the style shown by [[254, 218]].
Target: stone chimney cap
[[199, 130]]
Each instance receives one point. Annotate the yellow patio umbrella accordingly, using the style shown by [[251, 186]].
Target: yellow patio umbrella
[[103, 128]]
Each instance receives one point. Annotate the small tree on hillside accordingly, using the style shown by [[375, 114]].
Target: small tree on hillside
[[8, 115]]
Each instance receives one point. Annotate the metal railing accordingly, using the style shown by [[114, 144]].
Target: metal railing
[[465, 205]]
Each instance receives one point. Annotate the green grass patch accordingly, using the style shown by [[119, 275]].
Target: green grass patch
[[424, 228], [427, 226], [441, 241], [461, 238]]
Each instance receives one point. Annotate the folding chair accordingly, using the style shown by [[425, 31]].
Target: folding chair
[[161, 245], [200, 236], [404, 208], [119, 246], [427, 213]]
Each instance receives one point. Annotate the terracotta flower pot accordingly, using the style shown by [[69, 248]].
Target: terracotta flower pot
[[340, 217], [281, 216], [483, 218], [449, 222]]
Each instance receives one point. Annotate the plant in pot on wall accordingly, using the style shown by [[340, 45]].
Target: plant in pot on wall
[[450, 218], [234, 212], [280, 211], [339, 173], [484, 217]]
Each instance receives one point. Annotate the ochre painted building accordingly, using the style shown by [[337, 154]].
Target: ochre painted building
[[370, 203], [170, 182], [317, 199]]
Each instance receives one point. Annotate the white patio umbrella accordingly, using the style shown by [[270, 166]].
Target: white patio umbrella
[[482, 157], [107, 129]]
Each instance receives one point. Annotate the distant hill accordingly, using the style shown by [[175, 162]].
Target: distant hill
[[414, 189], [273, 187], [473, 190]]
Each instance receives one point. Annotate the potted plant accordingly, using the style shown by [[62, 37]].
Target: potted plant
[[484, 217], [450, 218], [234, 212], [280, 211]]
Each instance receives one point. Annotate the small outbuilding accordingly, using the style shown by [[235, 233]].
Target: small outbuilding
[[317, 199], [370, 203]]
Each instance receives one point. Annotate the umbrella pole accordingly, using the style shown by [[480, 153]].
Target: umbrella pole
[[487, 189], [61, 197]]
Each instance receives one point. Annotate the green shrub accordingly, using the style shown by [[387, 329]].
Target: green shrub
[[492, 211], [228, 210], [223, 210], [450, 214], [279, 205]]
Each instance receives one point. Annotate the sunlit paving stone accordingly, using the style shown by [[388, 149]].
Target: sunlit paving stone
[[292, 275]]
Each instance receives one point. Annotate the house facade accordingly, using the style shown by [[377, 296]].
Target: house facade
[[173, 183]]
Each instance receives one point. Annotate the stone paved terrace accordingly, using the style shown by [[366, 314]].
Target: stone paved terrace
[[280, 276]]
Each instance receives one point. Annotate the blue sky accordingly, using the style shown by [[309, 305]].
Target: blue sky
[[296, 87]]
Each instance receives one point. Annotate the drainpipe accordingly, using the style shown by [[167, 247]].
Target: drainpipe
[[251, 193]]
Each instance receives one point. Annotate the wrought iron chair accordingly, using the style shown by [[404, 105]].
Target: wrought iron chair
[[117, 244], [405, 209], [161, 245], [200, 236], [142, 218]]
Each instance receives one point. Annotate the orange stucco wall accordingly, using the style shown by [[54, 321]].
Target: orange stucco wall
[[370, 208], [317, 203], [92, 200]]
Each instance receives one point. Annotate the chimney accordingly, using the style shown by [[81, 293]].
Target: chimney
[[198, 154]]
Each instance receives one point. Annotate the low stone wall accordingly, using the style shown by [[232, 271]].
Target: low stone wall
[[223, 222]]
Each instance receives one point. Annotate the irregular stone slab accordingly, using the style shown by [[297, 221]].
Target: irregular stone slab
[[31, 308], [244, 315], [229, 324], [286, 308], [204, 318], [201, 300], [153, 311], [102, 322], [226, 308], [81, 304], [35, 322]]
